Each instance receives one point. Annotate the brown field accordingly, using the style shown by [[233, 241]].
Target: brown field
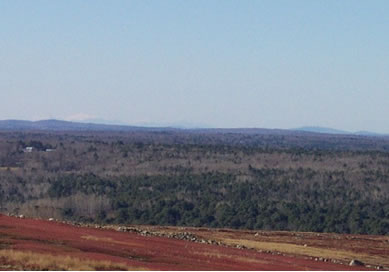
[[373, 250], [34, 244]]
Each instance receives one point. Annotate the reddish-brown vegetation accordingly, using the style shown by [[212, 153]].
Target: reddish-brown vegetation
[[372, 250], [117, 250]]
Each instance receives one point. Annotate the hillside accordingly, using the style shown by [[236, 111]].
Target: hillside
[[102, 125], [337, 131], [32, 244], [59, 125], [269, 182]]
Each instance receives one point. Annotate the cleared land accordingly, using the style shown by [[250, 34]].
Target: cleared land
[[39, 244], [373, 250]]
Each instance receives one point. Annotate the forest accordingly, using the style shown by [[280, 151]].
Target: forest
[[302, 182]]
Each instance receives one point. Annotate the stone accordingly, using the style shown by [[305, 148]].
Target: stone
[[356, 263]]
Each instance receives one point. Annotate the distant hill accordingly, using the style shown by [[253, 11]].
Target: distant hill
[[59, 125], [178, 124], [336, 131], [101, 122], [368, 133], [322, 130], [94, 125]]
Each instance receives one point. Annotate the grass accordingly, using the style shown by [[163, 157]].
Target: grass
[[99, 239], [109, 240], [219, 255], [308, 251], [21, 260]]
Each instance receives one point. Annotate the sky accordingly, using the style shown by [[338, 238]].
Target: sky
[[265, 64]]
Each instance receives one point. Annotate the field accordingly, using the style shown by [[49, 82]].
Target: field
[[40, 244]]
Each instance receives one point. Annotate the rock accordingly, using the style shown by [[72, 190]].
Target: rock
[[356, 263], [51, 219], [305, 245], [256, 235]]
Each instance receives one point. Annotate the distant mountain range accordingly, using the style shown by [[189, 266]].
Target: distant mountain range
[[59, 125], [336, 131], [178, 124], [322, 130], [93, 125]]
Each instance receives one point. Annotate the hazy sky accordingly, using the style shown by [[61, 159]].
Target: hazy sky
[[273, 64]]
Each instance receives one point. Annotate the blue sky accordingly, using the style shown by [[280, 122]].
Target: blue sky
[[272, 64]]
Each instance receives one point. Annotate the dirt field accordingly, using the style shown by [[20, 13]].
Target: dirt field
[[38, 244]]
